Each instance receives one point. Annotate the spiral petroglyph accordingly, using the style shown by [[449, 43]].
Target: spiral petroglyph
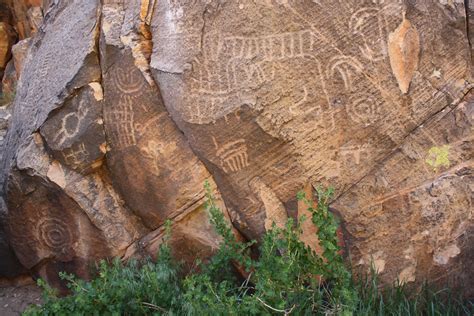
[[54, 233]]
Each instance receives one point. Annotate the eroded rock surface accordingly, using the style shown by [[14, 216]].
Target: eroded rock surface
[[124, 109]]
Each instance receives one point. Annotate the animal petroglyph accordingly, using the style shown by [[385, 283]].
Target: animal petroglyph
[[233, 155], [153, 151]]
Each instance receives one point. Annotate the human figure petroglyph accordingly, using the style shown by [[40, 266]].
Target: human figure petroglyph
[[71, 124], [233, 155], [153, 151]]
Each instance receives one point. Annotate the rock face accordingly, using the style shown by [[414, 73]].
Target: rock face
[[123, 110]]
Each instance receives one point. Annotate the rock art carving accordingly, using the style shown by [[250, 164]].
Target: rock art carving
[[219, 83], [70, 125], [345, 67], [370, 24], [128, 81], [261, 99], [233, 155], [122, 117], [363, 109], [54, 233]]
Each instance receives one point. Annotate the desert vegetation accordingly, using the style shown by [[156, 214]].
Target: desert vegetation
[[284, 277]]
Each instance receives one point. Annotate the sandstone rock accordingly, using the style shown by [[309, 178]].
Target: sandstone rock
[[290, 101], [45, 86], [125, 108], [35, 18], [149, 160], [9, 83], [28, 16], [75, 133], [150, 171], [19, 52], [7, 38], [57, 228], [428, 197]]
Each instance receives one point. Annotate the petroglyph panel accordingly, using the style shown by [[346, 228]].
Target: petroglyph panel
[[313, 79], [48, 225], [146, 150], [262, 97], [75, 132]]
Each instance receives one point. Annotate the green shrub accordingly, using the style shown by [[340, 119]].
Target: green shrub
[[286, 277]]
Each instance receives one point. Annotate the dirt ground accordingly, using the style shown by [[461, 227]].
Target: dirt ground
[[15, 299]]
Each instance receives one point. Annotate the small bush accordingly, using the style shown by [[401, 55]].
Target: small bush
[[286, 278]]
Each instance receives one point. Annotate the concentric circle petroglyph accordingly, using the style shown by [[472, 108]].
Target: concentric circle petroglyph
[[54, 233]]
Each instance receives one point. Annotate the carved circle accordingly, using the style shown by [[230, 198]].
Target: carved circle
[[114, 233], [54, 233], [363, 110], [71, 124]]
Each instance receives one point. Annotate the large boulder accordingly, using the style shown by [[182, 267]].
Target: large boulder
[[124, 109]]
